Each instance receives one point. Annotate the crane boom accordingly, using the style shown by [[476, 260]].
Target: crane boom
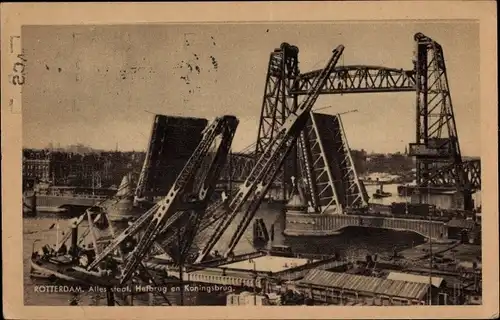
[[168, 212], [210, 177], [129, 231], [170, 235], [269, 163], [173, 206]]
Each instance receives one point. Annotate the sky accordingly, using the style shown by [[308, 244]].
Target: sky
[[101, 85]]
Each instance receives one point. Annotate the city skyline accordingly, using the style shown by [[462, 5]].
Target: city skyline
[[105, 85], [117, 148], [368, 152]]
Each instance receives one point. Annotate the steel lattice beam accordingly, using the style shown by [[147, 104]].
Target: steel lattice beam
[[353, 191], [238, 167], [473, 171], [445, 176], [333, 184], [360, 79]]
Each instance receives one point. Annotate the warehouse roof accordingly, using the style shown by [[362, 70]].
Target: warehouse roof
[[358, 283], [403, 289], [436, 281]]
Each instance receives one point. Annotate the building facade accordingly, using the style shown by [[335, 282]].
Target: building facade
[[36, 169], [96, 169]]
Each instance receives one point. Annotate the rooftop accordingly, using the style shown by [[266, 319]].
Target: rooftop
[[358, 283], [436, 281], [267, 264]]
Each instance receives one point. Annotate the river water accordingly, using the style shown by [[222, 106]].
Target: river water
[[393, 188]]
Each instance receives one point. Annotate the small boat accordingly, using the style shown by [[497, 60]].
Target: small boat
[[281, 250], [380, 193]]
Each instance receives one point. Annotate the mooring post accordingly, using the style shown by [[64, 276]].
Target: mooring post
[[34, 210], [110, 297], [130, 298], [181, 265]]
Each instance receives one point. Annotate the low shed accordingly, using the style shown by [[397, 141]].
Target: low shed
[[358, 287]]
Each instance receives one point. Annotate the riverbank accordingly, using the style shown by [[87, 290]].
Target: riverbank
[[422, 251]]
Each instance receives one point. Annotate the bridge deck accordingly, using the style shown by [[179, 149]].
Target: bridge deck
[[324, 225]]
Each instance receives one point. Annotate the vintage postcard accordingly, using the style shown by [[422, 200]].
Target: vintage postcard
[[327, 159]]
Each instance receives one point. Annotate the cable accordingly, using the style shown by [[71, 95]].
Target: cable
[[248, 148], [322, 62]]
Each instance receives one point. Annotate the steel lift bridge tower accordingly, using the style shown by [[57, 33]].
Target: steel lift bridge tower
[[437, 150]]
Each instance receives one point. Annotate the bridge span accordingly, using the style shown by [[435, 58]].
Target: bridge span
[[298, 224]]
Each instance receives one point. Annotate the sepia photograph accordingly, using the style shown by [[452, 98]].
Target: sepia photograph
[[257, 164]]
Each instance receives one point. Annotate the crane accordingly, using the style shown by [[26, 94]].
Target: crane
[[179, 202], [268, 164]]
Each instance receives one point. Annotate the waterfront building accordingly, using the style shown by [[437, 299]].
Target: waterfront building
[[350, 289]]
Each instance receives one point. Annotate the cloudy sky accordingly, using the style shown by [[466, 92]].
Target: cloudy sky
[[98, 85]]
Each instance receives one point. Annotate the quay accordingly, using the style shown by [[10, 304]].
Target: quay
[[257, 269]]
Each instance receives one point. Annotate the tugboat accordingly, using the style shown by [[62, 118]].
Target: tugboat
[[380, 193]]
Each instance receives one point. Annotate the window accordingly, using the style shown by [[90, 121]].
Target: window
[[385, 301], [399, 302]]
